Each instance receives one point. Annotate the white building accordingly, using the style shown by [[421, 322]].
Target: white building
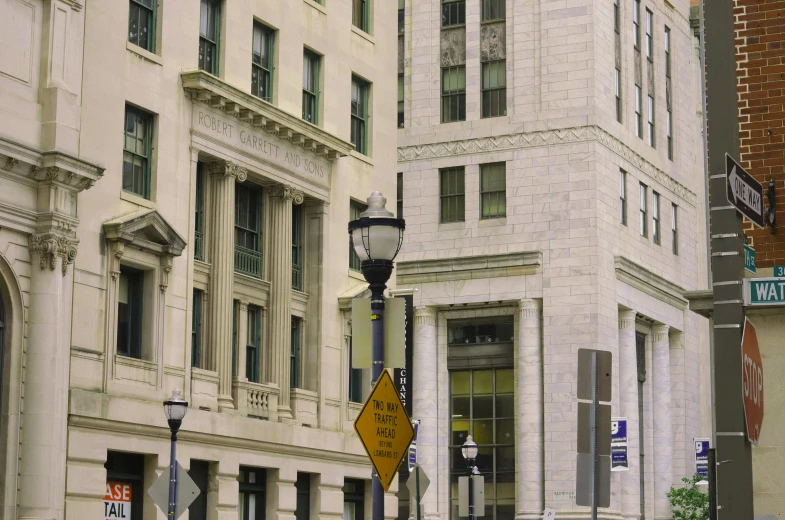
[[177, 178], [551, 182]]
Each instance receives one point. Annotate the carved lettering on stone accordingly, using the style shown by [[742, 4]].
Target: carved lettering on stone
[[453, 47], [493, 42]]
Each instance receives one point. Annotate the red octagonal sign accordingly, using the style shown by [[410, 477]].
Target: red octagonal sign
[[752, 378]]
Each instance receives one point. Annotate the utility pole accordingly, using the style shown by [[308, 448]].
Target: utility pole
[[734, 479]]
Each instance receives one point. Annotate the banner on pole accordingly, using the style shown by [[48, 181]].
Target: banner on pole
[[702, 459], [619, 461]]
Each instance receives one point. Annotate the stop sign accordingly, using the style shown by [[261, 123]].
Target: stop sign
[[752, 378]]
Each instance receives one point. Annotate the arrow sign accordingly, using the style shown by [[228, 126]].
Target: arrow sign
[[744, 192]]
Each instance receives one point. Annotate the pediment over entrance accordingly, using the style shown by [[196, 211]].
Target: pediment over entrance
[[147, 230]]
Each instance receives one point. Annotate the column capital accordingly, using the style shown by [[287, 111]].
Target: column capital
[[194, 154], [528, 308], [51, 246], [228, 169], [424, 316], [626, 318], [286, 192], [660, 333]]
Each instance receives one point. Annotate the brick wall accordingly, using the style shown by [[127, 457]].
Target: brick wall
[[760, 57]]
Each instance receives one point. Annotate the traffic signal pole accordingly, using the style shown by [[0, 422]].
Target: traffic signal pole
[[734, 477]]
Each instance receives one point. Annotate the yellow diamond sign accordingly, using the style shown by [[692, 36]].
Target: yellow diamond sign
[[384, 429]]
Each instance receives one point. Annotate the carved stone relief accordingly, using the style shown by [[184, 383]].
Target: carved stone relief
[[493, 42], [50, 247], [401, 54], [453, 47]]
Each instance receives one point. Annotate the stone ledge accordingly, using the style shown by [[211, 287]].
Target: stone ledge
[[644, 280], [469, 267]]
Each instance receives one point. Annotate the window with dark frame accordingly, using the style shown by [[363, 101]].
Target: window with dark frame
[[492, 10], [355, 379], [141, 23], [361, 15], [137, 151], [359, 129], [262, 62], [401, 93], [668, 93], [623, 197], [294, 367], [655, 216], [253, 347], [494, 88], [196, 329], [209, 35], [401, 16], [493, 190], [399, 195], [652, 136], [453, 94], [617, 50], [248, 229], [636, 23], [303, 486], [675, 228], [353, 499], [130, 312], [638, 112], [128, 468], [355, 209], [311, 63], [199, 214], [235, 339], [643, 213], [252, 502], [297, 248], [200, 474], [453, 195], [649, 37], [453, 13]]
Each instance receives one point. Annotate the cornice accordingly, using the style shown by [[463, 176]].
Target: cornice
[[468, 267], [547, 138], [206, 88], [644, 280]]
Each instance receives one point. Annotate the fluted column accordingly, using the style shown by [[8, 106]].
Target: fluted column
[[628, 398], [424, 403], [529, 437], [663, 439], [682, 453], [280, 258], [223, 177]]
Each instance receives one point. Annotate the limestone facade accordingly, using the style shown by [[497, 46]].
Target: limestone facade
[[566, 263], [131, 167]]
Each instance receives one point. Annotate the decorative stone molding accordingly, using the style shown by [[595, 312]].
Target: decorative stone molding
[[424, 316], [285, 192], [649, 283], [626, 318], [74, 4], [146, 230], [493, 41], [469, 267], [166, 268], [453, 47], [10, 163], [660, 333], [117, 254], [547, 138], [528, 309], [228, 169], [51, 246]]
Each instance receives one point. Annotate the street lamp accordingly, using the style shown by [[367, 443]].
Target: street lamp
[[469, 451], [174, 408], [377, 237]]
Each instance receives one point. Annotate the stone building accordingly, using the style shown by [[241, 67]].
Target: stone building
[[177, 176], [550, 160]]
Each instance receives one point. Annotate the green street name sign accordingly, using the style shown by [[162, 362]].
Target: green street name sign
[[764, 291], [749, 259]]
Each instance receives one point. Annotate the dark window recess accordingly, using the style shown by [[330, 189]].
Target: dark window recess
[[361, 15], [251, 503], [453, 195], [303, 485], [209, 30], [353, 499], [137, 151], [493, 10], [399, 195], [355, 208], [141, 24], [124, 469], [359, 115], [294, 367], [199, 214], [235, 305], [200, 474], [355, 379], [453, 94], [130, 312], [247, 230], [297, 248], [262, 62], [453, 12], [196, 329], [253, 347], [311, 86]]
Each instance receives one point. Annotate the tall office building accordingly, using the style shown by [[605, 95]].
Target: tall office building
[[177, 177], [551, 181]]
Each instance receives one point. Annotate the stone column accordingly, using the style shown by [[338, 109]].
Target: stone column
[[529, 435], [281, 493], [663, 439], [43, 444], [682, 454], [223, 490], [424, 403], [328, 502], [628, 398], [223, 176], [279, 259]]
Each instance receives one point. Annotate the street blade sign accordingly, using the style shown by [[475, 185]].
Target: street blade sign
[[752, 379], [744, 192], [384, 429]]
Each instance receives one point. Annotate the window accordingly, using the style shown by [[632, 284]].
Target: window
[[617, 49], [196, 329], [655, 215], [124, 474], [199, 214], [209, 34], [638, 112], [618, 95], [247, 229], [643, 216], [361, 15], [303, 486], [235, 327], [649, 40], [253, 344], [668, 98], [355, 379], [651, 122], [482, 405], [636, 23], [494, 91], [137, 151], [251, 504], [675, 228], [493, 190], [355, 208], [453, 12], [400, 100], [623, 197], [294, 365], [399, 196], [130, 312], [353, 499], [401, 16], [493, 10], [200, 474], [453, 194], [669, 129], [262, 63], [297, 248], [667, 51], [141, 24], [359, 135], [453, 94], [311, 87]]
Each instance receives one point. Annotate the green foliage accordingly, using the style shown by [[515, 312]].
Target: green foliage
[[689, 502]]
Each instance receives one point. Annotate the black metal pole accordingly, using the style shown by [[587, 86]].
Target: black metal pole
[[173, 473], [712, 478], [471, 491], [377, 275], [595, 419]]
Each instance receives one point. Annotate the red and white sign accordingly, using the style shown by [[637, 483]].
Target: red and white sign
[[117, 501], [752, 379]]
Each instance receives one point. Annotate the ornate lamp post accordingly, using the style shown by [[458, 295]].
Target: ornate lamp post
[[469, 451], [174, 408]]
